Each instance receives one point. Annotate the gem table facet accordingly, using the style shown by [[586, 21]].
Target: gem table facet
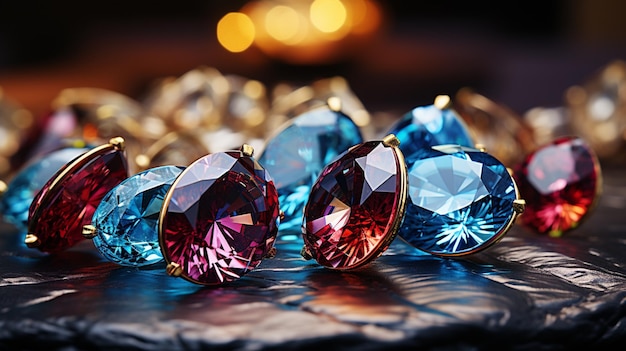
[[126, 221], [427, 126], [69, 199], [219, 219], [297, 154], [355, 206], [461, 201], [560, 182]]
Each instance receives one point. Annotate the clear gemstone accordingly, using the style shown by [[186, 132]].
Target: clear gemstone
[[296, 155], [428, 126], [560, 183], [460, 201], [221, 218], [21, 191], [355, 206], [126, 220]]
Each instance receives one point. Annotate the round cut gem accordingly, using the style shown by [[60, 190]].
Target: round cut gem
[[428, 126], [15, 202], [355, 206], [126, 221], [560, 183], [296, 155], [461, 201], [219, 219], [68, 200]]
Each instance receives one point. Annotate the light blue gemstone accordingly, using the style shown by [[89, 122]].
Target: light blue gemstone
[[428, 126], [15, 202], [295, 157], [460, 201], [127, 218]]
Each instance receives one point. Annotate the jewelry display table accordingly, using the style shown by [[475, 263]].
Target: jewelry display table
[[528, 292]]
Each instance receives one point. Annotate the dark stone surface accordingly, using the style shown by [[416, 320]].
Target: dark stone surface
[[526, 293]]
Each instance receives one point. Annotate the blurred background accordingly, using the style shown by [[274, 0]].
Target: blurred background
[[395, 54]]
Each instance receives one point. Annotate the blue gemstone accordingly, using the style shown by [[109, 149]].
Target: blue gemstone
[[429, 126], [460, 201], [15, 202], [296, 155], [127, 218]]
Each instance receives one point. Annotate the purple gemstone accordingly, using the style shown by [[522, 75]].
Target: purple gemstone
[[219, 218]]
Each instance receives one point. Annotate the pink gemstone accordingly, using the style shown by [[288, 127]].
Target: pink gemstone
[[68, 200], [560, 183], [221, 218], [354, 207]]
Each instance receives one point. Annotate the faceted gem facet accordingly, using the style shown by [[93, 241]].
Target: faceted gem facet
[[296, 155], [219, 219], [460, 201], [560, 183], [68, 200], [15, 202], [427, 126], [355, 206], [126, 221]]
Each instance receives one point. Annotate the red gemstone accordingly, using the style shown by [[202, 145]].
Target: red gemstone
[[68, 200], [560, 183], [355, 206], [219, 219]]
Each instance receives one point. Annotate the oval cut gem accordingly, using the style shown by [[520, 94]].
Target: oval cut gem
[[297, 154], [126, 221], [427, 126], [22, 189], [560, 183], [68, 200], [219, 219], [461, 201], [355, 206]]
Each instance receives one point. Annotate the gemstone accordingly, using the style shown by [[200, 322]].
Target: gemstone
[[461, 201], [68, 200], [427, 126], [126, 220], [355, 206], [219, 219], [297, 154], [15, 202], [560, 183]]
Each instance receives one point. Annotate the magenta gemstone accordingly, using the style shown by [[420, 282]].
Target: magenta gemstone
[[560, 183], [68, 200], [220, 218], [355, 206]]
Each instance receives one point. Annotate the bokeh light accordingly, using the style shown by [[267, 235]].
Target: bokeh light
[[235, 32]]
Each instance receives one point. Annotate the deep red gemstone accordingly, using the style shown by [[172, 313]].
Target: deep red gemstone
[[355, 206], [221, 218], [68, 200], [560, 183]]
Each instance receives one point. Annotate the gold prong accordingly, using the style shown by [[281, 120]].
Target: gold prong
[[334, 103], [271, 253], [391, 141], [281, 215], [89, 231], [442, 102], [247, 150], [305, 253], [519, 205], [173, 269], [32, 240], [142, 161], [480, 147], [118, 143]]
